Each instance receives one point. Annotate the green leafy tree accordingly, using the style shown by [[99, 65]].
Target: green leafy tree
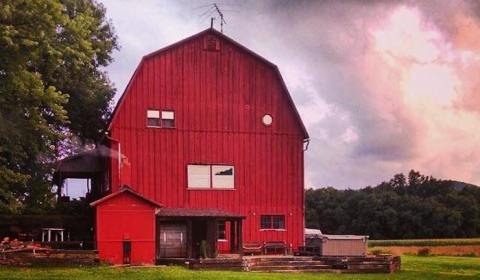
[[422, 208], [51, 85]]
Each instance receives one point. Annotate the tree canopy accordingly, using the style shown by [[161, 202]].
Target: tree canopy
[[413, 206], [51, 86]]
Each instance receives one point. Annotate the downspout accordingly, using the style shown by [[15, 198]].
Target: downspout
[[306, 142]]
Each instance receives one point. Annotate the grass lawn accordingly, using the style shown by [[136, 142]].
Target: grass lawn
[[413, 267]]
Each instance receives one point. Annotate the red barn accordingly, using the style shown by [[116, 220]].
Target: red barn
[[210, 145]]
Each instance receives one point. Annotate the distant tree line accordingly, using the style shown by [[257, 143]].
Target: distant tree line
[[415, 206]]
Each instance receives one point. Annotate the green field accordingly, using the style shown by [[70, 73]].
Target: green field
[[425, 242], [414, 267]]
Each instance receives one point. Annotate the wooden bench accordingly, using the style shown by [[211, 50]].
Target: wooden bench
[[252, 248], [308, 251], [275, 247]]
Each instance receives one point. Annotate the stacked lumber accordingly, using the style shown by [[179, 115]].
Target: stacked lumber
[[18, 253], [340, 264]]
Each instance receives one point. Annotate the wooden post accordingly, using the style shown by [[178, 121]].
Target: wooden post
[[189, 239], [232, 236], [212, 237], [239, 237]]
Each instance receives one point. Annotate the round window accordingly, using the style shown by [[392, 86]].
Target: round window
[[267, 119]]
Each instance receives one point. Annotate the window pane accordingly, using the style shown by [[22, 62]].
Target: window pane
[[198, 176], [168, 115], [153, 122], [265, 222], [223, 176], [278, 222], [168, 123], [155, 114], [221, 235]]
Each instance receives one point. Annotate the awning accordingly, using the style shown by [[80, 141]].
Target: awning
[[82, 165]]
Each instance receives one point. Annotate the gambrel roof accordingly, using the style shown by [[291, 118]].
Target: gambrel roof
[[233, 42]]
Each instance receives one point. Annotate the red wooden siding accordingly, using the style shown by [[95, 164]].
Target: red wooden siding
[[219, 99], [116, 216]]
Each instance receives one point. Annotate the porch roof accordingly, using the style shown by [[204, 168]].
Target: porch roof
[[197, 212]]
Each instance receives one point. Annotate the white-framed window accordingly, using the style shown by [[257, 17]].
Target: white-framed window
[[272, 222], [222, 176], [210, 176], [153, 118], [157, 118], [168, 119], [221, 231], [198, 176]]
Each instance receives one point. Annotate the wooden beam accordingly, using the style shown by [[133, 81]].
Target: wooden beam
[[232, 236], [239, 237], [189, 239]]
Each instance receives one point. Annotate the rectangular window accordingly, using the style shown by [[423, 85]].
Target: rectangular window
[[222, 176], [168, 119], [153, 118], [198, 176], [210, 176], [272, 222], [157, 118], [221, 232]]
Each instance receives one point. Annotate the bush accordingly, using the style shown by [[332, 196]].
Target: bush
[[423, 252], [377, 252]]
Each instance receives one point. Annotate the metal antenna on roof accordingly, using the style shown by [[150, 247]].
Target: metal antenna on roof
[[214, 12], [222, 20]]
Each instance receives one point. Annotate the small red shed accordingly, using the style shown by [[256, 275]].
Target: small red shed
[[127, 232]]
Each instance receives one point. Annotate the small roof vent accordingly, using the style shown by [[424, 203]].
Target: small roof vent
[[211, 43]]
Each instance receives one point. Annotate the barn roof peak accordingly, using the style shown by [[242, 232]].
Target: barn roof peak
[[211, 30], [128, 190]]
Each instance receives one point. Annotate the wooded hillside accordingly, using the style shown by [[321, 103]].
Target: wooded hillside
[[413, 206]]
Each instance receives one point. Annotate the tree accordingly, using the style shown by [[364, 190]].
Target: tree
[[423, 208], [50, 85]]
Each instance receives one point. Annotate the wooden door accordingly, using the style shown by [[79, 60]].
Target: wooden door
[[172, 241]]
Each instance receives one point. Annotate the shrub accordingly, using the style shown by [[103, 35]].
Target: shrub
[[423, 252], [377, 252]]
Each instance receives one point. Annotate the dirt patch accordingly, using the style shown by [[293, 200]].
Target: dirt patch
[[434, 250]]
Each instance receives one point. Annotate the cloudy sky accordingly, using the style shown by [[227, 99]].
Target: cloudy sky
[[382, 86]]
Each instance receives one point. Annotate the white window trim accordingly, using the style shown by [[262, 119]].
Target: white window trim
[[160, 115], [211, 187], [168, 115], [153, 114], [191, 176]]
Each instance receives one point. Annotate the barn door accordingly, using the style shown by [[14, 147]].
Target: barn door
[[172, 241]]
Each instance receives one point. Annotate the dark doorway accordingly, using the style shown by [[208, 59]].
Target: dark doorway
[[199, 236], [172, 241], [127, 251]]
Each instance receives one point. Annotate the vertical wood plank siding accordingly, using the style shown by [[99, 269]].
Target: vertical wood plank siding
[[219, 99]]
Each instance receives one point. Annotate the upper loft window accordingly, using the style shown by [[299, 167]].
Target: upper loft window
[[168, 119], [157, 118], [153, 118], [205, 176], [211, 43]]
